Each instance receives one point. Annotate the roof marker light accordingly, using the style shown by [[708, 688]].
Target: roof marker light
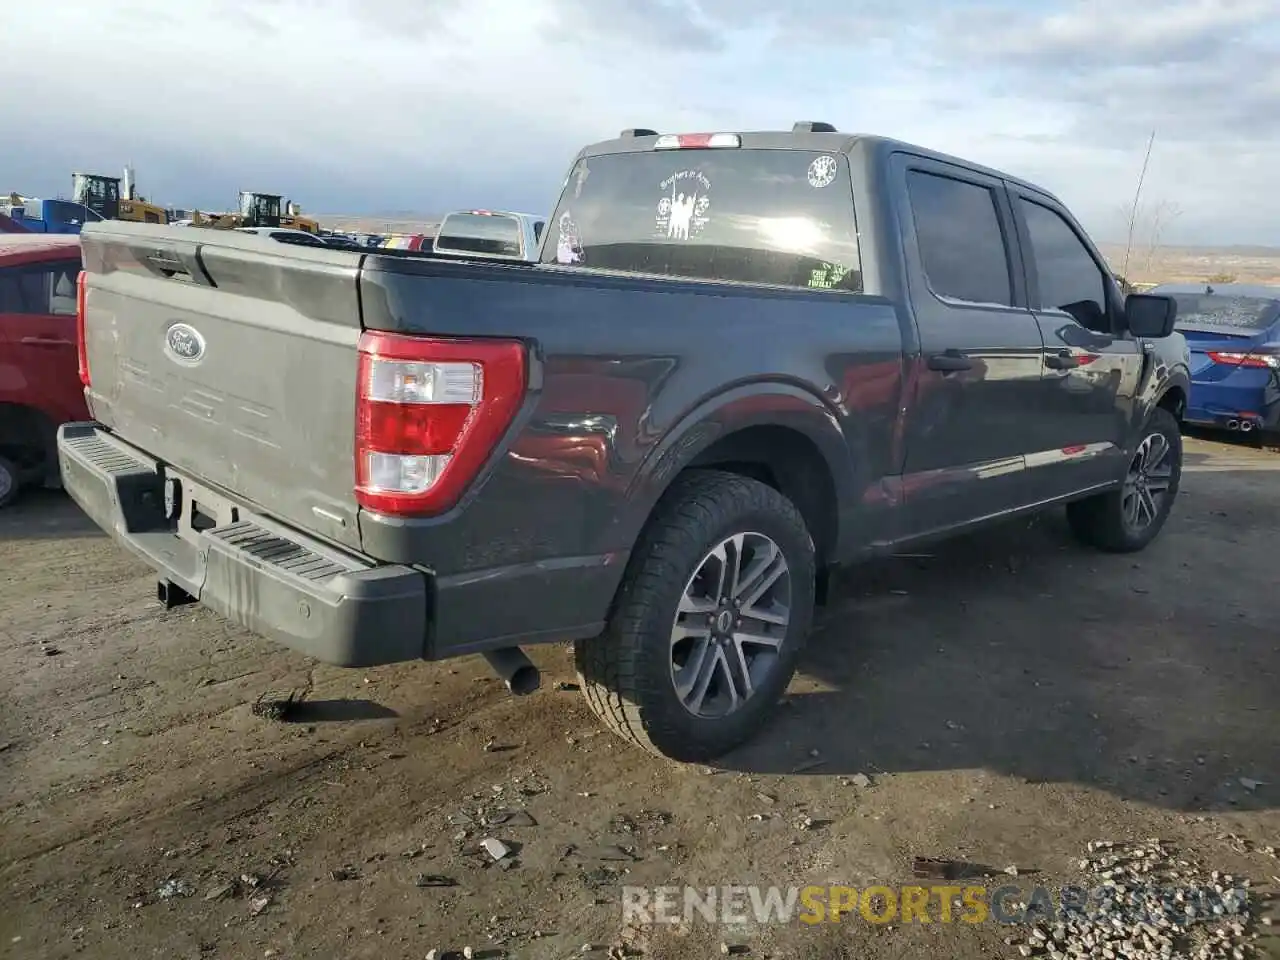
[[696, 141]]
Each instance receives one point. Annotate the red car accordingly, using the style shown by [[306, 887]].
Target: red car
[[40, 385]]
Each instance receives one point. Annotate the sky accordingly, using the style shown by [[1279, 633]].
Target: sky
[[386, 107]]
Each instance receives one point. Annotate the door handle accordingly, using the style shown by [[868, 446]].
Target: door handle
[[46, 342], [1063, 360], [949, 361]]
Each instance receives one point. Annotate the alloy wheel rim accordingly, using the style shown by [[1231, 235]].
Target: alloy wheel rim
[[1148, 482], [730, 625]]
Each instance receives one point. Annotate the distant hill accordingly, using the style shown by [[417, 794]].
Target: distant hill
[[368, 223], [1254, 264]]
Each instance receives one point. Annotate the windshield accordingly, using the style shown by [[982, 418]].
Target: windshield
[[484, 233], [782, 217], [1224, 312]]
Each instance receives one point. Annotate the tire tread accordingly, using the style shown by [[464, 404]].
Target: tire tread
[[608, 666]]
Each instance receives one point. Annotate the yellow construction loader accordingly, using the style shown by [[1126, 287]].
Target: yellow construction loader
[[258, 210], [105, 197]]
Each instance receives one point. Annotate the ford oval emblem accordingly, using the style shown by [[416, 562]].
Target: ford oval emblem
[[184, 343]]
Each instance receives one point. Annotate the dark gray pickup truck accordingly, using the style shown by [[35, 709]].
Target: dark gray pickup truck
[[742, 360]]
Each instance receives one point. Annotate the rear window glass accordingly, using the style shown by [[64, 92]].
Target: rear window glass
[[1225, 312], [480, 233], [781, 217]]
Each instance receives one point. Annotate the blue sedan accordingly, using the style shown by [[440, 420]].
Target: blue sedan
[[1233, 331]]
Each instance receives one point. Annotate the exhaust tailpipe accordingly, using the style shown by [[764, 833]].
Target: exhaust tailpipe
[[171, 595], [1233, 424], [516, 670], [1246, 426]]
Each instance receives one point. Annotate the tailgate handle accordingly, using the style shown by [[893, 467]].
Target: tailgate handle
[[182, 263], [169, 266]]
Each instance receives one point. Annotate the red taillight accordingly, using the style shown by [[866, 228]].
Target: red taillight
[[82, 349], [1262, 360], [429, 412]]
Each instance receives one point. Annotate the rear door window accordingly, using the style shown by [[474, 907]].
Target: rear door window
[[962, 245], [779, 217]]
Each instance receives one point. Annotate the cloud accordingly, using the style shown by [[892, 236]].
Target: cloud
[[359, 106]]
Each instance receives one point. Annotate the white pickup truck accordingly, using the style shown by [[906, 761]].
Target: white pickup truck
[[488, 234]]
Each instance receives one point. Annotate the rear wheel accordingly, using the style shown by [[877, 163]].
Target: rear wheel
[[710, 619], [1127, 519], [10, 481]]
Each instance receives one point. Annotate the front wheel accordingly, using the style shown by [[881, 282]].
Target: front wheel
[[710, 618], [1127, 519]]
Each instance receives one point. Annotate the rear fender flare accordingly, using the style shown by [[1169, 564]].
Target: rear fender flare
[[739, 408], [1163, 378]]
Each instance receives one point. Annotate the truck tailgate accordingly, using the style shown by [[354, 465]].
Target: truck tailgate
[[231, 358]]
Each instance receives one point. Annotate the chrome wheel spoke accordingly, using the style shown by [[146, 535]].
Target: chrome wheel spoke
[[729, 554], [1146, 504], [695, 677], [1157, 453], [697, 630], [738, 671], [757, 639], [765, 569], [1159, 482], [777, 614], [1130, 506], [696, 606]]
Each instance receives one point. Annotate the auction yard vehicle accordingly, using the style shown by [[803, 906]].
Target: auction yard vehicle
[[36, 215], [500, 235], [287, 235], [39, 388], [1233, 330], [105, 197], [742, 360], [407, 241]]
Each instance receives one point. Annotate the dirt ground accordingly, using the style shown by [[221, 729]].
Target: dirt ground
[[1009, 696]]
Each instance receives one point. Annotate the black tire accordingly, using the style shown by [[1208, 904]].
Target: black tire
[[10, 481], [626, 673], [1100, 521]]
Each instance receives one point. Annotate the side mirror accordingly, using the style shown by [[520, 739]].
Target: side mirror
[[1148, 315]]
